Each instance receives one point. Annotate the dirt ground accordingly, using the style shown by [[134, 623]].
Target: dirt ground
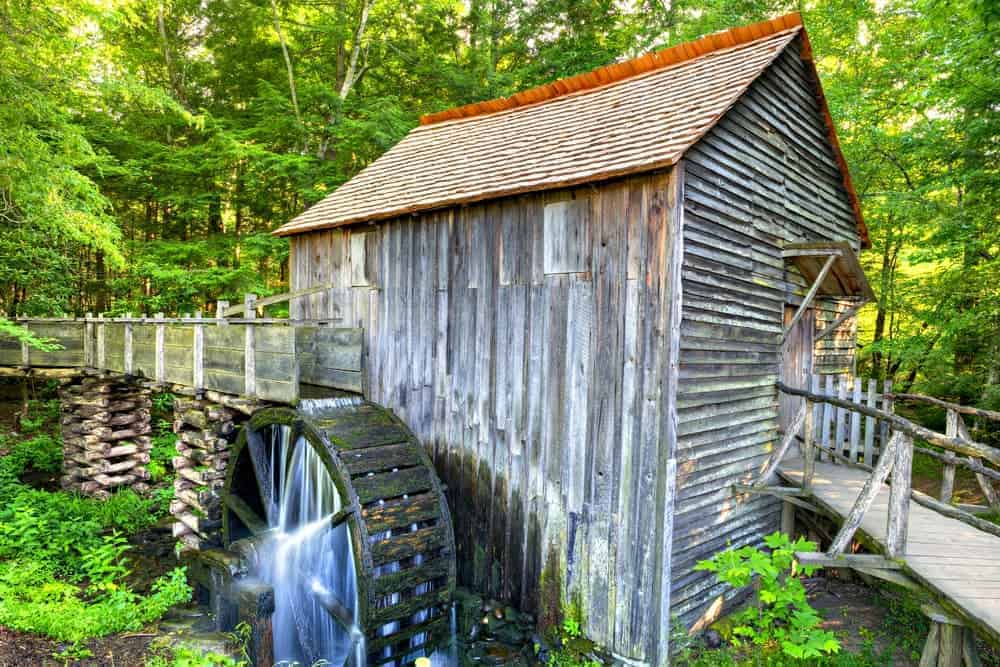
[[21, 650]]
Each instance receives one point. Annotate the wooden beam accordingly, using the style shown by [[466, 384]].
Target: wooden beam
[[810, 295], [992, 415], [892, 576], [277, 298], [868, 561], [786, 441], [843, 317], [253, 521], [127, 351]]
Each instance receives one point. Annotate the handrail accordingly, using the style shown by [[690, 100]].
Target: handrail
[[992, 415], [896, 459], [952, 443]]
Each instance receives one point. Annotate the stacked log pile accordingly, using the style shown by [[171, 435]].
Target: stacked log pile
[[205, 431], [105, 429]]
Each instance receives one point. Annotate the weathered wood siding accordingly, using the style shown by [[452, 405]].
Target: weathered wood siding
[[525, 342], [836, 353], [763, 176]]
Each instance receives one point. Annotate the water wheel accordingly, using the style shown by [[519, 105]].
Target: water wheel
[[389, 500]]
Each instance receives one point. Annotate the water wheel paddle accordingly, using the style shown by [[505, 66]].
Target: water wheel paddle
[[343, 485]]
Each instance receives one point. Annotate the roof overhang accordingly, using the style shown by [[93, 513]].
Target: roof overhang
[[845, 277]]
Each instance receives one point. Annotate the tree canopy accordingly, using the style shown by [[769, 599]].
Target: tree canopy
[[148, 147]]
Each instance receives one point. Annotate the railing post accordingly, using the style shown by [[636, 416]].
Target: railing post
[[199, 353], [127, 351], [899, 496], [948, 472], [220, 308], [808, 450], [101, 348], [250, 346], [161, 349], [88, 341], [25, 353]]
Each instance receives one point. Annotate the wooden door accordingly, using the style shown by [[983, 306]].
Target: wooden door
[[796, 362]]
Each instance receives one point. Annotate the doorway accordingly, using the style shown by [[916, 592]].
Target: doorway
[[796, 362]]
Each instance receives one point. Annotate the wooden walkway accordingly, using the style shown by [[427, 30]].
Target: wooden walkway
[[956, 562]]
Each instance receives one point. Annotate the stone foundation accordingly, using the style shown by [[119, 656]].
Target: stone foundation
[[205, 431], [105, 429]]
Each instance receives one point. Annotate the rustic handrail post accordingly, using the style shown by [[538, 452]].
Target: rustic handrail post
[[899, 496], [161, 349], [220, 309], [198, 360], [948, 471], [88, 340], [101, 348], [868, 492], [250, 346], [989, 492], [127, 352], [808, 450]]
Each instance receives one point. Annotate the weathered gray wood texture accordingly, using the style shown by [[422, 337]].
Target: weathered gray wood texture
[[534, 370], [765, 175]]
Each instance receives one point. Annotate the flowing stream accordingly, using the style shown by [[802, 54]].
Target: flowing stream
[[307, 561]]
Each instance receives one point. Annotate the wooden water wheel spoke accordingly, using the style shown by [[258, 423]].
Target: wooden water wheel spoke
[[337, 609], [256, 524]]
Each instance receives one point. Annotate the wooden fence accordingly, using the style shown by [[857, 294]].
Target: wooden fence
[[851, 434], [263, 358]]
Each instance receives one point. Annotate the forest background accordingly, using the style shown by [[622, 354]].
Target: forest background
[[148, 147]]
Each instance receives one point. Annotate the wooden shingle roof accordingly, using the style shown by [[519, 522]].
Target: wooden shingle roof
[[617, 120]]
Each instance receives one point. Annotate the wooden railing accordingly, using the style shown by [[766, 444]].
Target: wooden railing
[[250, 356], [894, 460]]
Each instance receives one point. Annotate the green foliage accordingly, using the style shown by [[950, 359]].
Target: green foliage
[[784, 615], [33, 599], [183, 656], [62, 561]]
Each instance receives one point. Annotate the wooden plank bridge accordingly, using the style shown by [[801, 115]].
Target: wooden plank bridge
[[919, 542], [267, 359], [957, 562]]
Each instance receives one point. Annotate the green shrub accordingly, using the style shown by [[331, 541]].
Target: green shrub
[[784, 615], [32, 599], [183, 656], [62, 559]]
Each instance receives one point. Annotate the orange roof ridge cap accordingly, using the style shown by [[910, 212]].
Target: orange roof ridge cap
[[615, 72]]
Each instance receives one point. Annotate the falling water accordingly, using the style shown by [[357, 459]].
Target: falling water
[[307, 561]]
